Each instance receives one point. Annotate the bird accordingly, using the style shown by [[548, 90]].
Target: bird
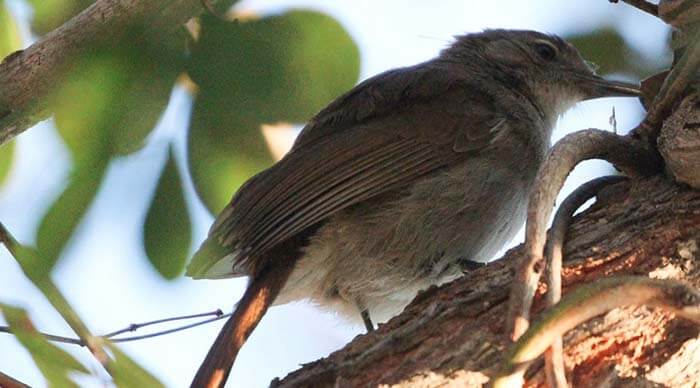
[[410, 179]]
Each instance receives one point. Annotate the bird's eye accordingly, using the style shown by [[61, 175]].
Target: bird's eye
[[546, 51]]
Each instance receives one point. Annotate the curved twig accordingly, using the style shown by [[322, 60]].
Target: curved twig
[[587, 302], [133, 327], [554, 361], [136, 326], [627, 154]]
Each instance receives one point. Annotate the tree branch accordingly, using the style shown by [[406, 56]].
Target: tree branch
[[453, 335], [624, 152], [8, 382], [27, 77], [643, 5]]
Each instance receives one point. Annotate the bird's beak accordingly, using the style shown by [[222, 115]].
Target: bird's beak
[[594, 86]]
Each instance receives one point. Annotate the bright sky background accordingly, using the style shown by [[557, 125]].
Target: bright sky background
[[104, 272]]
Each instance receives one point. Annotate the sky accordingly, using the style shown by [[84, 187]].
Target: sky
[[104, 272]]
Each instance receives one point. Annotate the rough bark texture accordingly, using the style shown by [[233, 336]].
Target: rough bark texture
[[453, 335], [28, 76], [679, 142]]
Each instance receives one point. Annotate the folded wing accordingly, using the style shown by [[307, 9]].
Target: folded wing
[[380, 136]]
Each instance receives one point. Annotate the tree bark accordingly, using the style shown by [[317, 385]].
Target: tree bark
[[454, 335], [27, 77]]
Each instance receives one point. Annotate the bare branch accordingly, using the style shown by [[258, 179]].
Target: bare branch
[[624, 152], [643, 5], [554, 360], [587, 302], [135, 326], [454, 335], [8, 382], [54, 296], [218, 315], [27, 77]]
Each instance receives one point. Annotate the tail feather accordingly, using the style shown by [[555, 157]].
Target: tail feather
[[259, 295]]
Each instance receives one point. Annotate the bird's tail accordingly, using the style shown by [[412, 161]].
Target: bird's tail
[[259, 295]]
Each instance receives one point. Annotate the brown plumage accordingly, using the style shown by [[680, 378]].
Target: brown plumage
[[398, 184]]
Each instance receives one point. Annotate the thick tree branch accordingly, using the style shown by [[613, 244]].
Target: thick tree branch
[[624, 152], [27, 77], [454, 335]]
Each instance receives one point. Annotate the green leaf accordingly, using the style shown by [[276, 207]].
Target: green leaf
[[222, 157], [54, 363], [106, 105], [167, 231], [64, 215], [128, 374], [6, 154], [279, 68], [49, 14], [114, 97], [10, 39], [608, 50]]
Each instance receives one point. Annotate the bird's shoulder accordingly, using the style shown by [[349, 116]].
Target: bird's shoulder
[[405, 94]]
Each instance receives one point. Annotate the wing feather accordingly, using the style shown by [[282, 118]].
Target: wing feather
[[381, 136]]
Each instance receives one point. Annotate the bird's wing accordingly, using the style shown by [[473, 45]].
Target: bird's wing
[[380, 136]]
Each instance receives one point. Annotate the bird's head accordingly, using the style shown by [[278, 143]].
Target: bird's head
[[546, 67]]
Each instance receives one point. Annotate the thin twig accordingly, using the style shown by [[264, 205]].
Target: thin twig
[[133, 327], [554, 359], [136, 326], [588, 301], [643, 5], [7, 240], [164, 332], [50, 337], [54, 295], [624, 152]]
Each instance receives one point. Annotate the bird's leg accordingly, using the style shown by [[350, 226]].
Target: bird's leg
[[628, 154], [366, 319], [364, 311]]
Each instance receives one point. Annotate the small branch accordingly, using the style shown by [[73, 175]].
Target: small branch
[[8, 240], [164, 332], [8, 382], [26, 259], [28, 77], [587, 302], [624, 152], [133, 327], [554, 359], [643, 5], [50, 337]]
